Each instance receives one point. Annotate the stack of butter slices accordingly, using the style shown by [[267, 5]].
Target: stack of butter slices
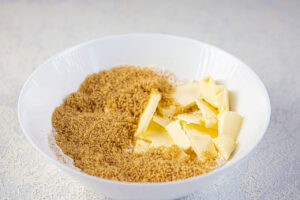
[[203, 125]]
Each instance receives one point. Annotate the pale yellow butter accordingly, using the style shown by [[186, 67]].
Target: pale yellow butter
[[148, 113], [198, 129], [205, 131], [182, 156], [216, 95], [225, 145], [163, 121], [201, 143], [222, 99], [167, 111], [187, 94], [141, 146], [208, 90], [178, 135], [229, 123], [157, 135], [195, 118], [208, 113]]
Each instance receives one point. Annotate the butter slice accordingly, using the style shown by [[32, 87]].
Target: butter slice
[[187, 94], [195, 118], [198, 129], [167, 111], [182, 156], [229, 123], [178, 135], [216, 95], [208, 90], [225, 145], [201, 143], [157, 135], [208, 113], [222, 99], [163, 121], [148, 113], [141, 146]]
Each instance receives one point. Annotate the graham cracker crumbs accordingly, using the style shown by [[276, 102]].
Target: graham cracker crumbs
[[95, 127]]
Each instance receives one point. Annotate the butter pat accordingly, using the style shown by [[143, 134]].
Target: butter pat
[[208, 113], [216, 95], [148, 113], [225, 145], [201, 143], [195, 118], [178, 135], [229, 123], [208, 90], [141, 146], [198, 129], [222, 99], [167, 111], [187, 94], [182, 156], [163, 121], [157, 135]]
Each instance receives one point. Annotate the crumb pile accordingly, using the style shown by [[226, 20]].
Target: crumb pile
[[95, 127]]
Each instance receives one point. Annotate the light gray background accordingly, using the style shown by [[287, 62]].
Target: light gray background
[[264, 34]]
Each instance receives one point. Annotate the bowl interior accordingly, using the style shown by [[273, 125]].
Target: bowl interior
[[51, 82]]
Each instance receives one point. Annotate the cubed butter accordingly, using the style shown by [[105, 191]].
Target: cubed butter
[[208, 113], [163, 121], [208, 90], [182, 156], [229, 123], [148, 113], [203, 146], [222, 99], [201, 143], [178, 135], [157, 135], [187, 94], [216, 95], [198, 129], [167, 111], [225, 145], [195, 118], [141, 146]]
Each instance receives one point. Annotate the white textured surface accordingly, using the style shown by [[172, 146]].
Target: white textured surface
[[263, 34]]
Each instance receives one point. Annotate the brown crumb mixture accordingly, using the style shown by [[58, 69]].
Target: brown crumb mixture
[[95, 127]]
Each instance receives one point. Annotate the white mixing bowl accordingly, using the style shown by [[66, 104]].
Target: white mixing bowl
[[62, 74]]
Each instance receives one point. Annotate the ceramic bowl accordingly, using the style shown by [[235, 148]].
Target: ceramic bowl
[[62, 74]]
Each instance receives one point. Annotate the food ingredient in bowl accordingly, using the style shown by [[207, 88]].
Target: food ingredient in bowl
[[194, 118], [187, 94], [209, 114], [225, 145], [97, 124], [148, 113], [157, 136], [141, 146], [163, 121], [199, 113], [131, 124], [214, 94], [178, 135], [229, 123]]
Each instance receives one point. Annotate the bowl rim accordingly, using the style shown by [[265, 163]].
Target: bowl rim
[[125, 183]]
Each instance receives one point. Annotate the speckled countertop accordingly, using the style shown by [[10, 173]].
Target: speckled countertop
[[264, 34]]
